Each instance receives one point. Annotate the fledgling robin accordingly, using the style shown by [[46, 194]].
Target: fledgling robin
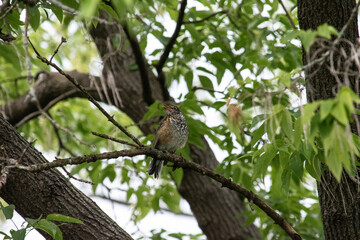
[[171, 135]]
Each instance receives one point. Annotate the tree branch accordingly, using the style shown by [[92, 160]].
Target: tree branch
[[140, 61], [178, 161], [205, 18], [288, 15], [113, 139], [160, 64]]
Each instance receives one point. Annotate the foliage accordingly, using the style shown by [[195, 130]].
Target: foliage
[[243, 63], [47, 224]]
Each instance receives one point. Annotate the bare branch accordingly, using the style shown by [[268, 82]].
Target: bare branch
[[113, 139], [140, 61], [195, 88], [75, 178], [63, 40], [13, 79], [160, 64], [205, 18], [26, 48], [288, 15], [129, 204], [178, 161]]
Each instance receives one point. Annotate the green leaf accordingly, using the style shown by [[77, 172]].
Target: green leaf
[[11, 56], [339, 113], [334, 163], [257, 134], [347, 97], [155, 203], [49, 227], [313, 166], [189, 76], [8, 211], [177, 176], [154, 110], [57, 11], [62, 218], [309, 111], [6, 236], [34, 17], [296, 164], [325, 108], [298, 130], [129, 193], [287, 124], [264, 160], [327, 31], [18, 234], [206, 83], [285, 180], [307, 38], [88, 7]]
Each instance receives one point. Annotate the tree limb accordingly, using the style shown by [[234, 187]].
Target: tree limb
[[141, 63], [288, 15], [178, 161], [160, 64]]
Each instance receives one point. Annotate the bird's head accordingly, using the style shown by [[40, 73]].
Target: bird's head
[[171, 109]]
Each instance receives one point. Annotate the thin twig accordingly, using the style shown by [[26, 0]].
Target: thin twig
[[91, 98], [57, 133], [26, 48], [130, 204], [75, 178], [26, 148], [57, 125], [288, 15], [195, 88], [205, 18], [140, 61], [13, 79], [113, 139], [63, 40], [160, 64], [163, 58]]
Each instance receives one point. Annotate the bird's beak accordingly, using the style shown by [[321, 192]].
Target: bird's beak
[[167, 107]]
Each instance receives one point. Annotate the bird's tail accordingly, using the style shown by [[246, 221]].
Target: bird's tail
[[155, 167]]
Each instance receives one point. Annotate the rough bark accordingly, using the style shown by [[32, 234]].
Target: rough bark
[[340, 205], [35, 194]]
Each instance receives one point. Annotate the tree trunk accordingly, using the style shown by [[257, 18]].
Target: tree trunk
[[46, 192], [340, 205]]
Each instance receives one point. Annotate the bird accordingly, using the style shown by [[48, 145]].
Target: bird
[[172, 134]]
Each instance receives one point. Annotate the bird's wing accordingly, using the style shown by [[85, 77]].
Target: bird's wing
[[156, 135]]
